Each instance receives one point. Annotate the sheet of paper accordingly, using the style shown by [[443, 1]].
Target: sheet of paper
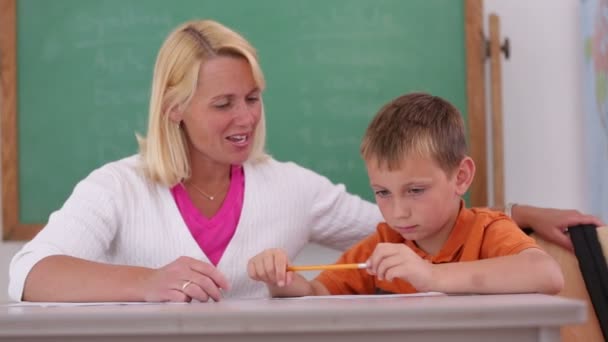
[[49, 304], [378, 296]]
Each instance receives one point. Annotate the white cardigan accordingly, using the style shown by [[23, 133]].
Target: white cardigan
[[117, 216]]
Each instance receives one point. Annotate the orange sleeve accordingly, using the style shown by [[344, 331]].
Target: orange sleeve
[[351, 281], [503, 237]]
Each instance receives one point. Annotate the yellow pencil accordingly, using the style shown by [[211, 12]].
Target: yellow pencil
[[327, 267]]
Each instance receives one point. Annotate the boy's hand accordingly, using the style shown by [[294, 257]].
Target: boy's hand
[[270, 266], [396, 260]]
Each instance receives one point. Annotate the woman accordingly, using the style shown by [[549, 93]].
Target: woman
[[180, 220]]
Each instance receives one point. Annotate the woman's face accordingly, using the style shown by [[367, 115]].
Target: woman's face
[[222, 116]]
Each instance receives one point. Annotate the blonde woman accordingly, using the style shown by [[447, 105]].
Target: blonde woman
[[180, 220]]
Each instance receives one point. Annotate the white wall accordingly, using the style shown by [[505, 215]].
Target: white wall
[[7, 250], [542, 102], [542, 98]]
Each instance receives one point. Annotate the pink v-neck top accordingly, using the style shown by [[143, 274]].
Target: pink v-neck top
[[213, 234]]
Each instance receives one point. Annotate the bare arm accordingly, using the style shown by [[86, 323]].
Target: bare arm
[[550, 223], [532, 270], [61, 278]]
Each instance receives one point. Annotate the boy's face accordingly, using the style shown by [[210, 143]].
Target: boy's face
[[418, 199]]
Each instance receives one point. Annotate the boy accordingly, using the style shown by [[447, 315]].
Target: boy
[[415, 154]]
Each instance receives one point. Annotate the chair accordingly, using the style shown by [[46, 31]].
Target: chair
[[586, 278]]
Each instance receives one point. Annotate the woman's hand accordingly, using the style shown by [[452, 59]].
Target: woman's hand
[[270, 266], [183, 280], [396, 260], [552, 224]]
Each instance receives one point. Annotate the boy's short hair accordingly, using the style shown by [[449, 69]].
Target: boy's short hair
[[416, 124]]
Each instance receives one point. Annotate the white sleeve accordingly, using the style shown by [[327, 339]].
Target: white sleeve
[[340, 219], [84, 227]]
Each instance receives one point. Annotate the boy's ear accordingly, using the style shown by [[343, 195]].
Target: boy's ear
[[464, 175]]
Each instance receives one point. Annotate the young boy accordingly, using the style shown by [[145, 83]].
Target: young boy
[[415, 154]]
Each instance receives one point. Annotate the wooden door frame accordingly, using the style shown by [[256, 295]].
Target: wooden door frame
[[476, 99], [12, 229]]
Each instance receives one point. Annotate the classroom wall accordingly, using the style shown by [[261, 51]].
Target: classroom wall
[[542, 105], [542, 84]]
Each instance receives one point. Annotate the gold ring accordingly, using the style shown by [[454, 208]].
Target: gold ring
[[186, 284]]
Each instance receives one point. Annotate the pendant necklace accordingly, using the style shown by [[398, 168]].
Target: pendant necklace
[[209, 197]]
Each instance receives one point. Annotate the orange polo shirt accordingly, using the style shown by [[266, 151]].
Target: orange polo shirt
[[477, 234]]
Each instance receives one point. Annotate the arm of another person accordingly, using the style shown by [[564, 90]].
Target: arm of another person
[[337, 218], [62, 278], [67, 260], [550, 224]]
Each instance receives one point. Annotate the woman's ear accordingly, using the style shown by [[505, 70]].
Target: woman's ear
[[176, 114], [464, 175]]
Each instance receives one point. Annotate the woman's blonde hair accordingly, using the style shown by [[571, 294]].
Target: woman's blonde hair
[[164, 151]]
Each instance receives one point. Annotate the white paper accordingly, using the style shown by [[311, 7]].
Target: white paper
[[374, 296]]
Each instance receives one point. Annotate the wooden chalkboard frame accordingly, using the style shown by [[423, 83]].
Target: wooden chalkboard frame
[[13, 229]]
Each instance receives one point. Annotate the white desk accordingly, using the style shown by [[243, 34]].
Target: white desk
[[527, 317]]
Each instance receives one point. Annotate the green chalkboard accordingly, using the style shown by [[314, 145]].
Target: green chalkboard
[[85, 67]]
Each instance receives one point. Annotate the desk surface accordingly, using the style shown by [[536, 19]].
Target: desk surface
[[295, 316]]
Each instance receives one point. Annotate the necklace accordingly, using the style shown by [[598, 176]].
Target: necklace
[[209, 197]]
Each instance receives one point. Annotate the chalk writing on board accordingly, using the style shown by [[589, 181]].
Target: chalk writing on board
[[105, 27], [115, 97], [127, 61], [369, 17]]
